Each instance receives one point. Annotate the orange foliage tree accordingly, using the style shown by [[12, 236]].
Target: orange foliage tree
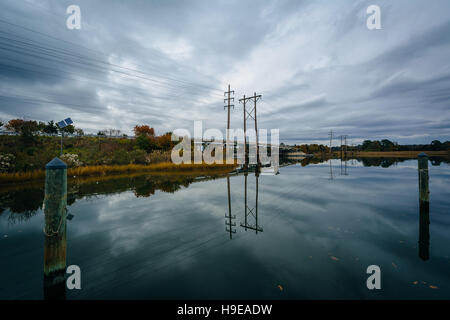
[[144, 130]]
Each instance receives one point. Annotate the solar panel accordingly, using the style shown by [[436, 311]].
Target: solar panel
[[68, 121], [61, 124]]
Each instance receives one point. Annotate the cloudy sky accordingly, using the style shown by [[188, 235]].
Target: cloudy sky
[[167, 63]]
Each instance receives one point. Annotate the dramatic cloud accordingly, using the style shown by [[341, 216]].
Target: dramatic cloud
[[167, 63]]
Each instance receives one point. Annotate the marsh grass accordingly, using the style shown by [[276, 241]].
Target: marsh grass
[[103, 170]]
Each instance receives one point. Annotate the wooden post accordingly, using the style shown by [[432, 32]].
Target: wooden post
[[424, 198], [55, 202]]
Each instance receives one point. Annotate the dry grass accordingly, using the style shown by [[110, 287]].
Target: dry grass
[[158, 168]]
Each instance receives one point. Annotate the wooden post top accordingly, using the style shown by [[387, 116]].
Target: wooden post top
[[56, 163]]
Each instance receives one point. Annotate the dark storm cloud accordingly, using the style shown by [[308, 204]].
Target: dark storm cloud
[[317, 65]]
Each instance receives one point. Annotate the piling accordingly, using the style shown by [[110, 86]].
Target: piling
[[424, 199], [55, 243]]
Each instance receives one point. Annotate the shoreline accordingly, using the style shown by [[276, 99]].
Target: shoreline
[[393, 154], [117, 170]]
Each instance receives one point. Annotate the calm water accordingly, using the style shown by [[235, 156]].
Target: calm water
[[322, 226]]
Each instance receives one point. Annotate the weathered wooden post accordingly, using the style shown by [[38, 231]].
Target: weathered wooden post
[[424, 198], [55, 202]]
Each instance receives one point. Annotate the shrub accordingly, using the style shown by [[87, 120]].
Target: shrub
[[71, 160], [121, 157], [6, 162], [138, 157]]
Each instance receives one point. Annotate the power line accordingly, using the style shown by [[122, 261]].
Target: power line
[[78, 45], [57, 50], [91, 66]]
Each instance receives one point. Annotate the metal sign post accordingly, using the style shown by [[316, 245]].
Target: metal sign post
[[62, 124]]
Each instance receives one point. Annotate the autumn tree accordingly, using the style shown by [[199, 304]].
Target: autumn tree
[[165, 142], [144, 130], [22, 127], [25, 128]]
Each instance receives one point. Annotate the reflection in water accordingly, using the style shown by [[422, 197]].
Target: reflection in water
[[251, 213], [230, 217], [424, 198], [322, 237], [344, 167], [55, 242], [331, 170], [23, 201]]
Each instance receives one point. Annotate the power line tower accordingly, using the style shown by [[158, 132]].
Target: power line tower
[[331, 140], [342, 137], [345, 146], [229, 224], [228, 100], [247, 115], [251, 114]]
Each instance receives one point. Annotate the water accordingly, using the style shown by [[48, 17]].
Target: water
[[166, 238]]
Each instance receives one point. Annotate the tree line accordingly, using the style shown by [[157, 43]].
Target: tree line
[[31, 127], [387, 145]]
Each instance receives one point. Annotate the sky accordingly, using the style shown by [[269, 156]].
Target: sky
[[167, 64]]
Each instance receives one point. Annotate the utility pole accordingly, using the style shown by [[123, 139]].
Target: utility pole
[[331, 140], [229, 105], [251, 114], [230, 217], [345, 146], [341, 145]]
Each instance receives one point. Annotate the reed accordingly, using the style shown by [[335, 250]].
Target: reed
[[102, 170]]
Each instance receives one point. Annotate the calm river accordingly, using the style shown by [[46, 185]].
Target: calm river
[[310, 233]]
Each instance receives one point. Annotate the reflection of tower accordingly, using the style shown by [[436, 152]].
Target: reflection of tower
[[230, 217], [331, 141], [251, 213], [345, 168], [424, 218], [345, 145], [331, 170]]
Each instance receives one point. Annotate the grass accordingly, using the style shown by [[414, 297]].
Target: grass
[[102, 170]]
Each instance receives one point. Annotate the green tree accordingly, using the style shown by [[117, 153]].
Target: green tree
[[50, 128], [68, 129], [146, 143], [366, 144], [436, 145], [79, 132], [387, 145]]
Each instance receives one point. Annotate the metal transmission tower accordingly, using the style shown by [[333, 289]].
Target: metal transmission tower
[[345, 145], [251, 212], [331, 140], [229, 105], [230, 217], [251, 114]]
